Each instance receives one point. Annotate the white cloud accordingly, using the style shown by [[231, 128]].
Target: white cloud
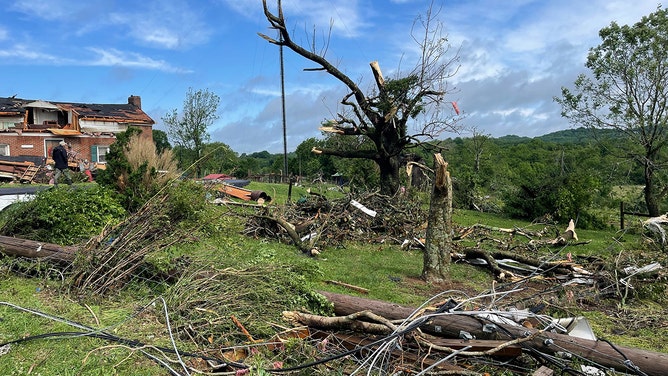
[[29, 54], [113, 57], [45, 9], [170, 25], [347, 17]]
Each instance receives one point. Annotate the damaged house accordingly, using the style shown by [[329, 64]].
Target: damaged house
[[30, 129]]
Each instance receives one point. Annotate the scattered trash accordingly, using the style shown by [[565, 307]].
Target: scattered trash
[[363, 208]]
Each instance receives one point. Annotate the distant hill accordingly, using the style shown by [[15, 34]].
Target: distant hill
[[567, 136], [578, 135]]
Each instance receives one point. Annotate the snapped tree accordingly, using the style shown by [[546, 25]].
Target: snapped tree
[[383, 115], [189, 129], [627, 92]]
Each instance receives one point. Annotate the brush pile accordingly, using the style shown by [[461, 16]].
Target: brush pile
[[108, 262], [371, 217]]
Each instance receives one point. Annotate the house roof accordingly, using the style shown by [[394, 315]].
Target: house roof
[[122, 113], [217, 177], [42, 104]]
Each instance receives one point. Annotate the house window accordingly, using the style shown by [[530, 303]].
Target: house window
[[4, 150], [99, 153]]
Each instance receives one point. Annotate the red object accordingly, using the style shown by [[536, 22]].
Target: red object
[[217, 177], [456, 108]]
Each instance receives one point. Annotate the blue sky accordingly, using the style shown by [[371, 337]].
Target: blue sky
[[515, 55]]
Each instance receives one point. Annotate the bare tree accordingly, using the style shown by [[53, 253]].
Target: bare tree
[[383, 115]]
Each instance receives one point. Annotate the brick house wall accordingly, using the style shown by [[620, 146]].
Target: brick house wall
[[91, 138]]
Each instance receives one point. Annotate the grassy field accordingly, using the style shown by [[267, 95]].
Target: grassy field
[[388, 272]]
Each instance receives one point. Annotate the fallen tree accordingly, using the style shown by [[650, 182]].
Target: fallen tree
[[453, 324], [34, 249]]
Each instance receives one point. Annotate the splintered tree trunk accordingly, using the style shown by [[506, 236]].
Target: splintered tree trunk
[[439, 229]]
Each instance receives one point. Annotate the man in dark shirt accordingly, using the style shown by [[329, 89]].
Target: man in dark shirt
[[59, 156]]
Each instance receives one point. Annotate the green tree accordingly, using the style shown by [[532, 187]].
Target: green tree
[[121, 176], [628, 93], [189, 130], [219, 158], [396, 116], [161, 141]]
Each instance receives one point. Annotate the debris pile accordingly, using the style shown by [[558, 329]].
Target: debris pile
[[373, 218]]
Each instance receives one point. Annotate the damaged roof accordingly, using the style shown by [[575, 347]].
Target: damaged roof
[[122, 113]]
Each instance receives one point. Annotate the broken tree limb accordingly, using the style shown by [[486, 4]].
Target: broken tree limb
[[649, 362], [491, 257], [290, 229], [654, 225], [347, 285], [349, 322], [34, 249]]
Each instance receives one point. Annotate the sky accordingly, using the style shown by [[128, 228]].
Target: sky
[[514, 56]]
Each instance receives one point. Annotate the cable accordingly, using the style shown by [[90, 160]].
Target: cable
[[102, 334], [627, 362]]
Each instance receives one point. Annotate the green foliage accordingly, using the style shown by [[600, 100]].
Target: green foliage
[[161, 141], [397, 93], [219, 158], [186, 202], [134, 181], [63, 215], [189, 128], [626, 93]]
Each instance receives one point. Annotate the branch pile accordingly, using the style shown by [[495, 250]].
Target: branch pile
[[372, 218], [109, 261]]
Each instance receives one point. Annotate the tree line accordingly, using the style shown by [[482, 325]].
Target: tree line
[[559, 176]]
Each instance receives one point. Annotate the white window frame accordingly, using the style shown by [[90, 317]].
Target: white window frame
[[4, 150], [98, 154]]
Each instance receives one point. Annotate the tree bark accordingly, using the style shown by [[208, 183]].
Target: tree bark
[[650, 362], [651, 197], [389, 174], [34, 249], [438, 243]]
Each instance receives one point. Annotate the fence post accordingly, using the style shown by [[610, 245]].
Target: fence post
[[621, 215]]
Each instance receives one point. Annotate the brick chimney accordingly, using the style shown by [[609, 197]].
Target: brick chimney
[[135, 100]]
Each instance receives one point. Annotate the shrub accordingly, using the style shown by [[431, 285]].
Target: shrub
[[135, 169], [64, 215]]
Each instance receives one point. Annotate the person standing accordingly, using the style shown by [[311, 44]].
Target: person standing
[[59, 155]]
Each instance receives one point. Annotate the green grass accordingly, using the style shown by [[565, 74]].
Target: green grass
[[70, 355], [279, 192]]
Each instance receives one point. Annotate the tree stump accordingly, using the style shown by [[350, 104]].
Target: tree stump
[[438, 244]]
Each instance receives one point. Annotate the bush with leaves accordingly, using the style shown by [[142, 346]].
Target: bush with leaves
[[135, 169], [63, 216]]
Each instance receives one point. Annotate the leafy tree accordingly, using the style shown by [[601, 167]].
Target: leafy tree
[[383, 114], [189, 130], [219, 158], [306, 163], [628, 93], [161, 141]]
